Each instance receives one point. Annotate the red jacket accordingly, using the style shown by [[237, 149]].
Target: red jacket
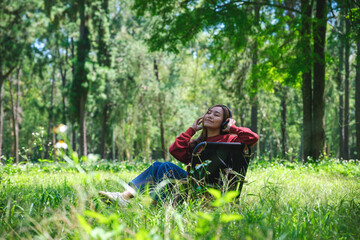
[[180, 148]]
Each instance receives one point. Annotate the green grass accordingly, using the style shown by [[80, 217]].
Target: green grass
[[281, 200]]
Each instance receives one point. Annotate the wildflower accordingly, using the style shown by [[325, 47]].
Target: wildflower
[[60, 129], [61, 144]]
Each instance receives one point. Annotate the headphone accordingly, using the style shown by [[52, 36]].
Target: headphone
[[224, 123]]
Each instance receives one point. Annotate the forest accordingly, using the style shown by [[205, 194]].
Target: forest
[[127, 77], [92, 93]]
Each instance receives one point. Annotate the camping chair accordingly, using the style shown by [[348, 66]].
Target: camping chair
[[220, 165], [213, 164]]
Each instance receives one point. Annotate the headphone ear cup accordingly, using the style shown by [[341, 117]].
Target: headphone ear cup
[[224, 124]]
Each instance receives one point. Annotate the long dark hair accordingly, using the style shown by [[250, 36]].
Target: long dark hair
[[203, 135]]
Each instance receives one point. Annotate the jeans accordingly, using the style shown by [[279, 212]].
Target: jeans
[[157, 172]]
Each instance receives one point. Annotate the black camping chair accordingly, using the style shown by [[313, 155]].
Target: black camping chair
[[217, 164]]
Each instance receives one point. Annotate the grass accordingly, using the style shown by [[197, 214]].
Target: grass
[[281, 200]]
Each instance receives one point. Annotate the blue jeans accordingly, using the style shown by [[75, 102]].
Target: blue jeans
[[157, 172]]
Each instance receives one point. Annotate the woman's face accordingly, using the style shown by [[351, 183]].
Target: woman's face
[[213, 118]]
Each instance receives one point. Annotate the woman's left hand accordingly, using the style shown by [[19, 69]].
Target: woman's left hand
[[230, 123]]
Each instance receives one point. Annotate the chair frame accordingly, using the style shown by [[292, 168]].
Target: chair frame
[[231, 172]]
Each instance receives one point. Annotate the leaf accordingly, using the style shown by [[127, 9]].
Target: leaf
[[205, 216], [142, 235], [216, 193], [101, 218], [229, 196], [218, 202], [84, 223], [225, 218]]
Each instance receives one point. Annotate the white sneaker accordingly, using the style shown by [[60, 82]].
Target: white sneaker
[[111, 197]]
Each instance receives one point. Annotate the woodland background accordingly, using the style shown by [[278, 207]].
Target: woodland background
[[127, 77]]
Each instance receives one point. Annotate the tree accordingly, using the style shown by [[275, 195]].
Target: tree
[[354, 20], [357, 98], [80, 84], [347, 91], [318, 104], [305, 47], [14, 35], [15, 105], [340, 84]]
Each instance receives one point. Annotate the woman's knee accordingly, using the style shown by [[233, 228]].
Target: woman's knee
[[156, 164], [166, 166]]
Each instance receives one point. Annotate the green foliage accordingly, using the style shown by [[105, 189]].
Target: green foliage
[[215, 43]]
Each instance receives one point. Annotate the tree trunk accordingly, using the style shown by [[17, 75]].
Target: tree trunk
[[82, 124], [63, 92], [80, 87], [254, 100], [113, 145], [2, 81], [319, 35], [103, 131], [161, 114], [51, 117], [73, 135], [357, 98], [347, 93], [1, 111], [283, 122], [104, 59], [307, 143], [73, 121], [15, 115], [340, 89]]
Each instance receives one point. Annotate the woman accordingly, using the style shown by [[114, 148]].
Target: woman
[[217, 125]]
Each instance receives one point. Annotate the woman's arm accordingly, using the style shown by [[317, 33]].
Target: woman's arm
[[243, 135], [180, 148]]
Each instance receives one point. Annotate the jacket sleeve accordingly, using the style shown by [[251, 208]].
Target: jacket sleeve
[[180, 148], [244, 135]]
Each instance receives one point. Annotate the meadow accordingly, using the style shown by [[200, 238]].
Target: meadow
[[282, 200]]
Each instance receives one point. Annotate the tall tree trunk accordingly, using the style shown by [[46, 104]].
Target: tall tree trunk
[[62, 71], [340, 88], [2, 81], [73, 121], [283, 122], [15, 115], [51, 117], [319, 34], [104, 59], [103, 131], [305, 46], [1, 111], [79, 89], [113, 145], [161, 114], [347, 93], [82, 124], [254, 100], [73, 135], [357, 98]]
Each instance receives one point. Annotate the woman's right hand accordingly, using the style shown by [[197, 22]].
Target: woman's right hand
[[197, 125]]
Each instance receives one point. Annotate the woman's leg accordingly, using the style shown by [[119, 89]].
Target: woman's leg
[[156, 173], [151, 176]]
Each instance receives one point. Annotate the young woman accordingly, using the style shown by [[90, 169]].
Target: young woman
[[217, 125]]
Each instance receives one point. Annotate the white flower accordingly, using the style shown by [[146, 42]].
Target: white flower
[[61, 144], [62, 128]]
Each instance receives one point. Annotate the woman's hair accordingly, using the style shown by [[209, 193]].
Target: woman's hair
[[203, 135]]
